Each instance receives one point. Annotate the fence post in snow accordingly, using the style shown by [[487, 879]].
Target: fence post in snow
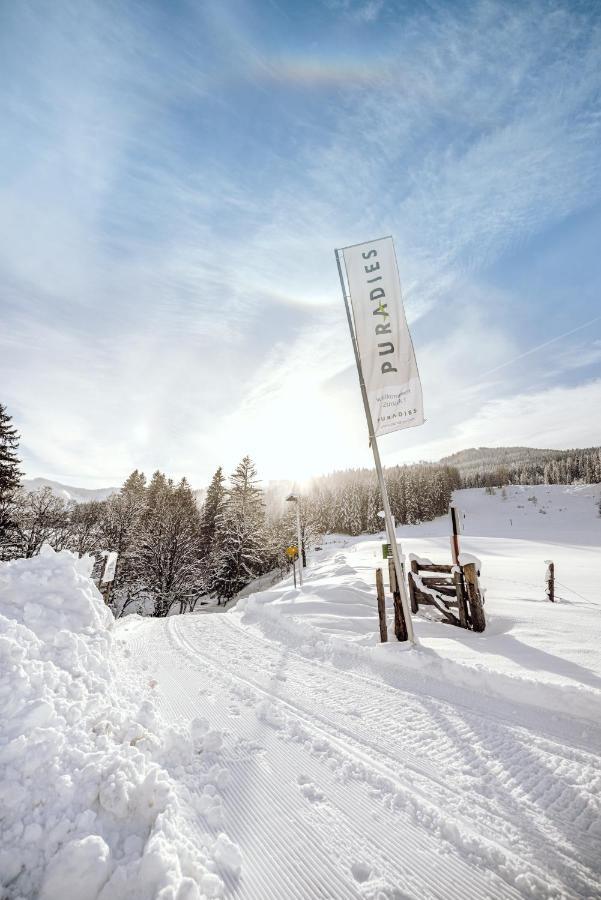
[[400, 626], [461, 598], [474, 597], [381, 606], [412, 597], [550, 579]]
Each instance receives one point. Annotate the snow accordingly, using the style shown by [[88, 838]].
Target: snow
[[420, 560], [279, 750], [89, 805], [67, 492], [466, 558], [532, 650]]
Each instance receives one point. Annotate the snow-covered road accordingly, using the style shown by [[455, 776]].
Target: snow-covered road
[[345, 786]]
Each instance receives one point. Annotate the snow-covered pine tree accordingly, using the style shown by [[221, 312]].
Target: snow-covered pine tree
[[118, 529], [240, 536], [373, 522], [165, 559], [10, 479], [211, 511]]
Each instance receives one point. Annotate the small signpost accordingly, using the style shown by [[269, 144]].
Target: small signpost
[[292, 554], [108, 574], [109, 567], [295, 498]]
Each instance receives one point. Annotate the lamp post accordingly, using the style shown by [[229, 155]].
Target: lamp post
[[294, 498]]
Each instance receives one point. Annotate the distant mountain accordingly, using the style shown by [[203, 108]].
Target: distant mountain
[[67, 491]]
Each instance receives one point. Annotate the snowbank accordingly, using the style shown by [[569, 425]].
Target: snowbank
[[89, 807], [533, 654]]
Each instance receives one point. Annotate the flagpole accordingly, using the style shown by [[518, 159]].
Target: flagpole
[[378, 463]]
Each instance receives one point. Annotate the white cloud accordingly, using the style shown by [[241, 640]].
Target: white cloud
[[555, 418]]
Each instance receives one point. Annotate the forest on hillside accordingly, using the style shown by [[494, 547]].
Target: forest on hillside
[[499, 466]]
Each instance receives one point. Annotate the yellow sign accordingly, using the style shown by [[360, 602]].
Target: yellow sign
[[292, 552]]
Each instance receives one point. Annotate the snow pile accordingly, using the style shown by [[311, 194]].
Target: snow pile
[[89, 805], [334, 599]]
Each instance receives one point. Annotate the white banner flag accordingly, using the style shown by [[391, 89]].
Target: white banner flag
[[110, 566], [388, 361]]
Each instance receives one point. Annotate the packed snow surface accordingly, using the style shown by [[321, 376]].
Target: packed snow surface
[[279, 750]]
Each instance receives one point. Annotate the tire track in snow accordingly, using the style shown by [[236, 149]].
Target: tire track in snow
[[434, 870], [271, 869], [529, 753], [243, 658]]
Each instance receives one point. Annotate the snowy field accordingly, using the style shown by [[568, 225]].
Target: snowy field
[[279, 751]]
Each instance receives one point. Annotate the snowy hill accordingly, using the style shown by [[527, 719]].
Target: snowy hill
[[475, 457], [480, 466]]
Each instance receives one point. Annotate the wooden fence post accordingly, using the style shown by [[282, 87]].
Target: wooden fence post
[[461, 598], [550, 580], [400, 626], [474, 597], [381, 606], [412, 597]]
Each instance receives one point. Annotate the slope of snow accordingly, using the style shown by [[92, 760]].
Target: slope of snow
[[532, 651], [89, 806]]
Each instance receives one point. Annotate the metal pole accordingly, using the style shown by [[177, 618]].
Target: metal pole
[[378, 464], [298, 538]]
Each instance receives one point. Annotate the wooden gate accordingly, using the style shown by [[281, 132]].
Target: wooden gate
[[453, 590]]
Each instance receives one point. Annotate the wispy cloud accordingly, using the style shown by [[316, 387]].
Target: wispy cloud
[[175, 189]]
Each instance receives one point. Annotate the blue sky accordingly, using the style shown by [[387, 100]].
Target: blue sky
[[174, 178]]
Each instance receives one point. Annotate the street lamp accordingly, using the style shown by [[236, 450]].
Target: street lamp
[[293, 498]]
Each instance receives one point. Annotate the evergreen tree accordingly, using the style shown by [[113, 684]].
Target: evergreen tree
[[211, 512], [165, 558], [10, 479], [240, 535], [118, 529]]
